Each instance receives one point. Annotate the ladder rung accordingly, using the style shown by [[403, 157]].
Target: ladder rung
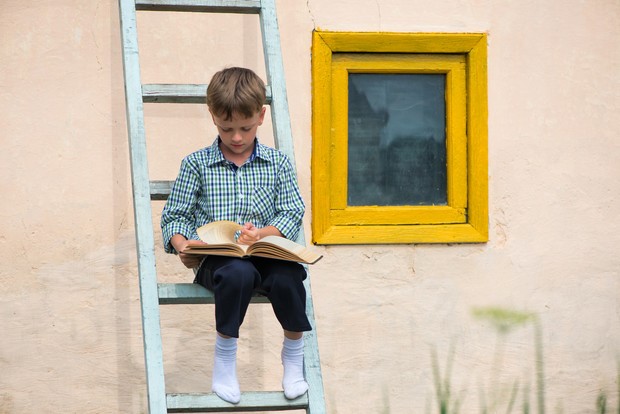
[[250, 401], [209, 6], [160, 190], [191, 294], [180, 93], [171, 93]]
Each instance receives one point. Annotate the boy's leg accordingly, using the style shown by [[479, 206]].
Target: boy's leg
[[282, 282], [232, 282], [225, 383], [293, 381]]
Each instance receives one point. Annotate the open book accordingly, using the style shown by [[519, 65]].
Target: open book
[[220, 239]]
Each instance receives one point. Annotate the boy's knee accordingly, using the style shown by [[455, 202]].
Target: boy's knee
[[240, 274], [286, 283]]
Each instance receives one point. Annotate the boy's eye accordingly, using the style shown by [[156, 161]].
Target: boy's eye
[[246, 129]]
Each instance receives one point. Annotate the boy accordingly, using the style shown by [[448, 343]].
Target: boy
[[241, 180]]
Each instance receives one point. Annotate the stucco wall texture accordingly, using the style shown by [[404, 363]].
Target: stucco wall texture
[[70, 315]]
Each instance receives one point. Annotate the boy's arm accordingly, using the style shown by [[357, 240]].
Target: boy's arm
[[179, 243], [178, 215], [289, 205]]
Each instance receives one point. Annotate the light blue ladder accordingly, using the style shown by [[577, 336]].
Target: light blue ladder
[[154, 294]]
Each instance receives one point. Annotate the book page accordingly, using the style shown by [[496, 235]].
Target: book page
[[220, 239], [218, 232], [219, 249], [279, 247]]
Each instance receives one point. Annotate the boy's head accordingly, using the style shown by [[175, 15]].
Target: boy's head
[[235, 91]]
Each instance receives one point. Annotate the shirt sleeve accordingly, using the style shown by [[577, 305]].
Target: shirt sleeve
[[178, 216], [289, 205]]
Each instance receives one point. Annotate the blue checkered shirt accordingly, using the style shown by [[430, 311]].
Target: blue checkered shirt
[[209, 188]]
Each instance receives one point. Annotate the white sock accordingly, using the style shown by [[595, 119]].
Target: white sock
[[225, 383], [293, 381]]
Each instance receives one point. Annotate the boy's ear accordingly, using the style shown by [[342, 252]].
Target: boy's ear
[[261, 116]]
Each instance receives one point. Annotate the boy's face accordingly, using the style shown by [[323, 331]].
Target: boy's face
[[237, 134]]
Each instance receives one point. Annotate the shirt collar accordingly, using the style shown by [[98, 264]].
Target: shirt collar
[[216, 155]]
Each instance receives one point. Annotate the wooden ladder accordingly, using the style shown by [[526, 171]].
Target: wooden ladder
[[154, 294]]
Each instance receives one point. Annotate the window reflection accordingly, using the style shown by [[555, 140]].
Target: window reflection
[[397, 140]]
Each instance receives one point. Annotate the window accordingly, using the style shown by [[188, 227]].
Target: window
[[399, 138]]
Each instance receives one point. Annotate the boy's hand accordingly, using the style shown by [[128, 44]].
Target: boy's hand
[[191, 261], [180, 244], [249, 234]]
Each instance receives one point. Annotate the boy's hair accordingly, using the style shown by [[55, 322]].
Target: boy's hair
[[235, 91]]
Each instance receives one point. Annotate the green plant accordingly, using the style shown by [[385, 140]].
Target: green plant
[[540, 367], [601, 403], [447, 402], [504, 321]]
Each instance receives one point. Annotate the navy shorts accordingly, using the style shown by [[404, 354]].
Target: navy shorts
[[233, 281]]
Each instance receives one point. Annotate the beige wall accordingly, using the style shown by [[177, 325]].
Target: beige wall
[[70, 317]]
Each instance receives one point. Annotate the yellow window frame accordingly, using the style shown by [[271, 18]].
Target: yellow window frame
[[462, 58]]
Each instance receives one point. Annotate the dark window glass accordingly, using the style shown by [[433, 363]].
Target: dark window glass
[[397, 140]]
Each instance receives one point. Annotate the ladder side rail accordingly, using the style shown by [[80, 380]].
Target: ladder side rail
[[145, 243], [280, 117], [283, 138], [312, 364]]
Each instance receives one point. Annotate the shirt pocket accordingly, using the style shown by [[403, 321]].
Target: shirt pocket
[[263, 204]]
